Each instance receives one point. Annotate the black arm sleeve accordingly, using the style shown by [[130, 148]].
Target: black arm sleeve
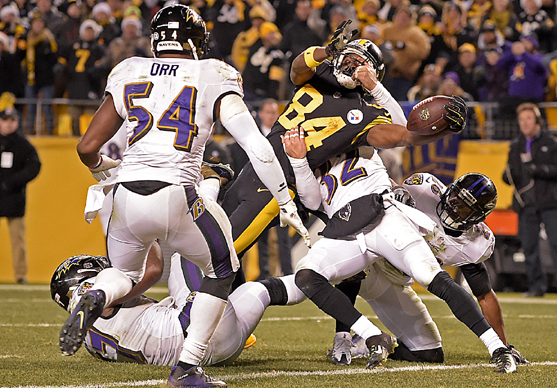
[[477, 278]]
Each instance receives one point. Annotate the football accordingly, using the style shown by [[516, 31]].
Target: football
[[426, 118]]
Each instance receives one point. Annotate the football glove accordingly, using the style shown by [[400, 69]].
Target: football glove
[[457, 113], [289, 216], [100, 171], [402, 195], [339, 39]]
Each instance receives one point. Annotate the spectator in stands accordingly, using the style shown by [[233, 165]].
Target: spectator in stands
[[504, 19], [534, 21], [452, 34], [410, 46], [24, 8], [264, 69], [450, 86], [490, 38], [497, 84], [130, 44], [285, 11], [103, 16], [11, 77], [84, 79], [367, 13], [526, 73], [470, 75], [19, 164], [343, 9], [532, 170], [427, 84], [427, 17], [387, 12], [40, 51], [10, 25], [373, 33], [229, 17], [297, 35], [68, 33], [50, 14], [477, 12], [246, 39]]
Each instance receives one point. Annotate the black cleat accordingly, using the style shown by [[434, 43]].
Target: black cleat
[[193, 377], [222, 170], [380, 346], [504, 361], [88, 309], [519, 358]]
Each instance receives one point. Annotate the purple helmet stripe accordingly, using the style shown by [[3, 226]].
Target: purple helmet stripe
[[479, 190]]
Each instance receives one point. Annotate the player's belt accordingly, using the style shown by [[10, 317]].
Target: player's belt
[[364, 212]]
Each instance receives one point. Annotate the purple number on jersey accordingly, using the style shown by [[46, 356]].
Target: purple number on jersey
[[178, 117]]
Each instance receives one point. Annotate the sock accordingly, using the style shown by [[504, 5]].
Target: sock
[[114, 283], [210, 187], [491, 341], [350, 289], [185, 366], [364, 328], [205, 315]]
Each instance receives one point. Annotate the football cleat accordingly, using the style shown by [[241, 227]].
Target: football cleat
[[359, 348], [88, 309], [341, 352], [223, 171], [193, 377], [250, 341], [519, 358], [380, 346], [504, 361]]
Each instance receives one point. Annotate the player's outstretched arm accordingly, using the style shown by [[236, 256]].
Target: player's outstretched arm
[[237, 120], [104, 125], [394, 135]]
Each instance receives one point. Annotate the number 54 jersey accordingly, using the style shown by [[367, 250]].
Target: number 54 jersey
[[475, 245], [168, 106]]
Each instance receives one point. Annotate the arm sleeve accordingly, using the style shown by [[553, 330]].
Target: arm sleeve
[[306, 184], [384, 99], [238, 121]]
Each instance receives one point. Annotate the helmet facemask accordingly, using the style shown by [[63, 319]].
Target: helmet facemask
[[357, 53]]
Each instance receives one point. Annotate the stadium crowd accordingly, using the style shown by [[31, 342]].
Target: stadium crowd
[[500, 50]]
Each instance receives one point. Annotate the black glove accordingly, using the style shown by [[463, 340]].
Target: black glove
[[457, 114], [402, 195], [339, 39]]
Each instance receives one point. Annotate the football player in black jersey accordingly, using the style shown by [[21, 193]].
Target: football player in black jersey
[[328, 104]]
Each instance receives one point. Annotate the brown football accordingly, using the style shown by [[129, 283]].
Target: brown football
[[426, 118]]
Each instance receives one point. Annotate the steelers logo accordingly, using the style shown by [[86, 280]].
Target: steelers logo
[[355, 116]]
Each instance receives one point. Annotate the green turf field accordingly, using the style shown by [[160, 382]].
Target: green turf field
[[290, 350]]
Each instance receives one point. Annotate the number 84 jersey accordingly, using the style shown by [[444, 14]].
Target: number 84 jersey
[[168, 108]]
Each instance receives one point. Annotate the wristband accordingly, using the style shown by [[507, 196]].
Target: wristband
[[308, 57]]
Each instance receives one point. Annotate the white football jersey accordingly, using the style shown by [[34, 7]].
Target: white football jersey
[[351, 168], [168, 107], [473, 246]]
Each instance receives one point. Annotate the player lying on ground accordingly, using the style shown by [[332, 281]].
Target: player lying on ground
[[460, 238], [366, 222]]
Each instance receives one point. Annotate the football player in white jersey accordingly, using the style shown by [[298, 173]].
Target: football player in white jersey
[[460, 238], [169, 104], [366, 222]]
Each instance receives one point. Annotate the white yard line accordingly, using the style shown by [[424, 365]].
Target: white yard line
[[342, 372]]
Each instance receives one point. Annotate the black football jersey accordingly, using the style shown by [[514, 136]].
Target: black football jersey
[[335, 119]]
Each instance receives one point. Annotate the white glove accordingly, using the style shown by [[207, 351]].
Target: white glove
[[100, 172], [289, 216]]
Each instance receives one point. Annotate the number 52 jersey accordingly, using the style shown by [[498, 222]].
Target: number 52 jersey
[[168, 106]]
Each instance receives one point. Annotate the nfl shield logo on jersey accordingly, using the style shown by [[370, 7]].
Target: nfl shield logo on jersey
[[355, 116]]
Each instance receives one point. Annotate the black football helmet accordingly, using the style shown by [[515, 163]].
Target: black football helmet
[[467, 201], [178, 29], [71, 273], [364, 48]]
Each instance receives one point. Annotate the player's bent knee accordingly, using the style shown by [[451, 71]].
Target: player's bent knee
[[310, 282], [218, 287]]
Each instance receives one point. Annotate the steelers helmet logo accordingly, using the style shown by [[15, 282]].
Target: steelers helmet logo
[[424, 114]]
